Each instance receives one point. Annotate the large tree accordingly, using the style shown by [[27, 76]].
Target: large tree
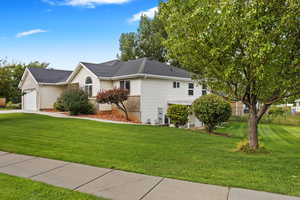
[[247, 50], [10, 76], [147, 42], [128, 46]]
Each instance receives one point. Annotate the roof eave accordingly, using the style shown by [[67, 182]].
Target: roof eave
[[59, 83], [145, 76]]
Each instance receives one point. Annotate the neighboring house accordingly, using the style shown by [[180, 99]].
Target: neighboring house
[[296, 107], [153, 86], [239, 108]]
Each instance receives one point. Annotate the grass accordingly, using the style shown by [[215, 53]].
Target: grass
[[14, 188], [289, 119], [161, 151]]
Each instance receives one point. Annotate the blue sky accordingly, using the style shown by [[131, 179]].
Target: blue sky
[[65, 32]]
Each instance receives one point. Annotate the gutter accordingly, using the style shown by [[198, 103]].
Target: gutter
[[145, 76]]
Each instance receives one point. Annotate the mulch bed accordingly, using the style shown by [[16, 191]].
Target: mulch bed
[[109, 116], [113, 116]]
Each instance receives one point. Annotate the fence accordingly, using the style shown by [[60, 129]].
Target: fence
[[2, 102]]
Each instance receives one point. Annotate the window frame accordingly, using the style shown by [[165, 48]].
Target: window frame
[[191, 88], [176, 84], [88, 86], [125, 84]]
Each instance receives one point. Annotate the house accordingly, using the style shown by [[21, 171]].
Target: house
[[153, 86], [296, 106], [41, 87]]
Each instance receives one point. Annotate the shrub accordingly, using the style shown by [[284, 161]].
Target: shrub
[[11, 105], [212, 110], [74, 101], [115, 96], [59, 105], [278, 111], [178, 114]]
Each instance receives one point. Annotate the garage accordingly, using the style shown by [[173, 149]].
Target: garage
[[29, 100]]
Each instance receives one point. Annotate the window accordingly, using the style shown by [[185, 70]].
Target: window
[[176, 84], [88, 88], [191, 89], [204, 89], [125, 85]]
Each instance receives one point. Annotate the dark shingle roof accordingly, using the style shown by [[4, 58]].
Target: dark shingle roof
[[140, 66], [42, 75]]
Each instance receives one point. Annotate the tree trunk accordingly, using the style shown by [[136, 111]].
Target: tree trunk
[[123, 108], [252, 130], [210, 129]]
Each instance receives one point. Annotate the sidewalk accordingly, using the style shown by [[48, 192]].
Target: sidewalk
[[121, 185]]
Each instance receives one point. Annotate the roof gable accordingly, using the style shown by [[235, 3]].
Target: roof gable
[[42, 75]]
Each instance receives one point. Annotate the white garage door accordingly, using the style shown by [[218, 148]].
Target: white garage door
[[30, 100]]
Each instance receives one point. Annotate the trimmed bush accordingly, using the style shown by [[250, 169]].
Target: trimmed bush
[[11, 105], [178, 114], [75, 101], [212, 110]]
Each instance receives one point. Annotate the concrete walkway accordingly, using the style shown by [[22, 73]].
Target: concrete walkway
[[61, 115], [120, 185]]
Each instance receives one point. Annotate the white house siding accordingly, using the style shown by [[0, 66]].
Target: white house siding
[[157, 93], [135, 86], [81, 77], [105, 85], [49, 94], [29, 84]]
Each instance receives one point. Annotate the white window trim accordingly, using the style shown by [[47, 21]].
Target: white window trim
[[89, 85]]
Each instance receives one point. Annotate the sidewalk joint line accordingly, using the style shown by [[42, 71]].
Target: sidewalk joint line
[[98, 177], [228, 193], [18, 162], [151, 189], [45, 172]]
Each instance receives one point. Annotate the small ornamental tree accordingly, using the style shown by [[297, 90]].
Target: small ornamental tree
[[178, 114], [212, 110], [115, 96]]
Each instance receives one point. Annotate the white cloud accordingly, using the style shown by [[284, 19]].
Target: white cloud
[[31, 32], [85, 3], [149, 13]]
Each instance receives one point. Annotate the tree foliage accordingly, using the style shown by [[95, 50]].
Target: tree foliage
[[212, 110], [128, 46], [147, 42], [115, 96], [178, 114], [244, 50], [10, 77]]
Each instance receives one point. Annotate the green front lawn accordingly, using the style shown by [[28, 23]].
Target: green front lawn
[[161, 151], [14, 188]]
